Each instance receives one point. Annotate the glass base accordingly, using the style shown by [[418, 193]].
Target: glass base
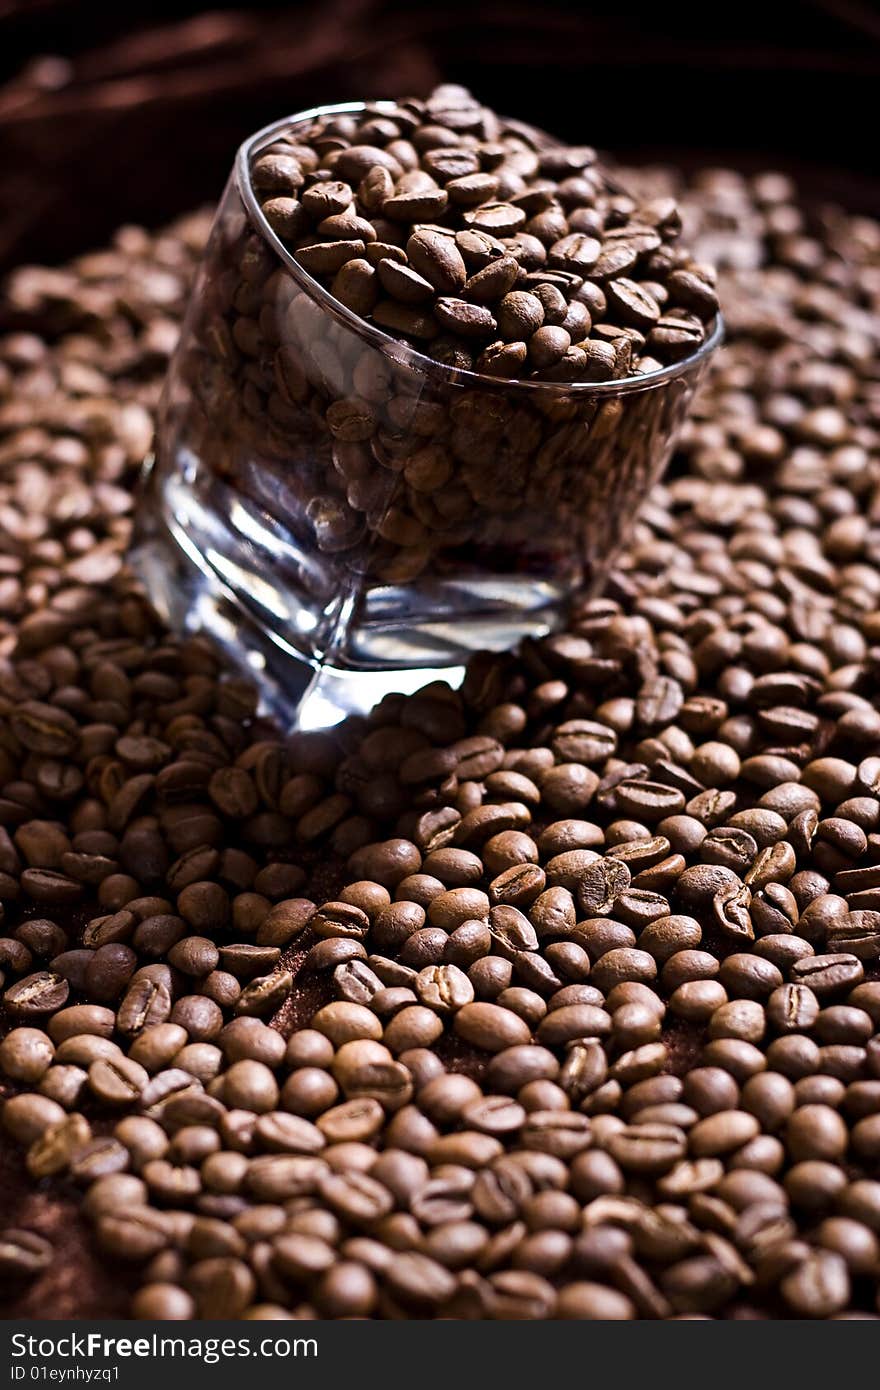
[[318, 649], [300, 692]]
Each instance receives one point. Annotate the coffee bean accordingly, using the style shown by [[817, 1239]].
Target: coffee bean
[[818, 1286], [340, 919], [117, 1081], [284, 922], [26, 1055], [667, 935], [344, 1022], [553, 912], [573, 1021], [195, 955], [444, 988], [730, 906], [41, 993], [243, 960], [644, 1148], [511, 930], [584, 1300], [24, 1254], [828, 975], [146, 1004], [45, 729], [465, 319], [436, 257], [81, 1018], [490, 1027], [722, 1132], [261, 997], [99, 1158], [792, 1008], [356, 1197], [450, 909], [52, 1152]]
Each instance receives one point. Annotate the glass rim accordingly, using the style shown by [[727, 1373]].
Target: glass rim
[[398, 349]]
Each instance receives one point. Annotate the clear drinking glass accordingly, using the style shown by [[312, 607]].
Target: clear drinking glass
[[347, 517]]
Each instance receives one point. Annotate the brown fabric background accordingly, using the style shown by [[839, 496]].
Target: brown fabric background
[[132, 112]]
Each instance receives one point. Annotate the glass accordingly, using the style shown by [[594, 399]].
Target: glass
[[348, 518]]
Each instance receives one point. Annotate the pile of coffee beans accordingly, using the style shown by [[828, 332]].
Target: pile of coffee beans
[[553, 997], [484, 243]]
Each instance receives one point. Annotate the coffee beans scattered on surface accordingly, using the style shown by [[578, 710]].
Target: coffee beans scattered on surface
[[557, 996]]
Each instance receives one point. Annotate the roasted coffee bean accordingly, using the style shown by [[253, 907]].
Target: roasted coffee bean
[[340, 919], [201, 1017], [444, 988], [24, 1254], [722, 1132], [146, 1004], [490, 1027], [601, 884], [52, 1152], [344, 1022], [261, 997], [26, 1055], [511, 930], [250, 1085], [333, 952], [450, 909], [81, 1018], [283, 922], [99, 1158], [818, 1286], [828, 975], [645, 1148], [242, 960], [117, 1081], [41, 993], [792, 1008]]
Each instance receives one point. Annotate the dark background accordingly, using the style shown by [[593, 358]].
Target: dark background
[[133, 112]]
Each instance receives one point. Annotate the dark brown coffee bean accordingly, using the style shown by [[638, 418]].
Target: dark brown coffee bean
[[146, 1004], [201, 1017], [45, 729], [285, 921], [41, 993], [511, 930], [792, 1008], [355, 1197], [601, 884], [262, 996], [435, 256], [828, 975], [468, 320], [722, 1132], [644, 1148]]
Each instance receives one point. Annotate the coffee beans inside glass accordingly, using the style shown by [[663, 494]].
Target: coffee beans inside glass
[[432, 364]]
